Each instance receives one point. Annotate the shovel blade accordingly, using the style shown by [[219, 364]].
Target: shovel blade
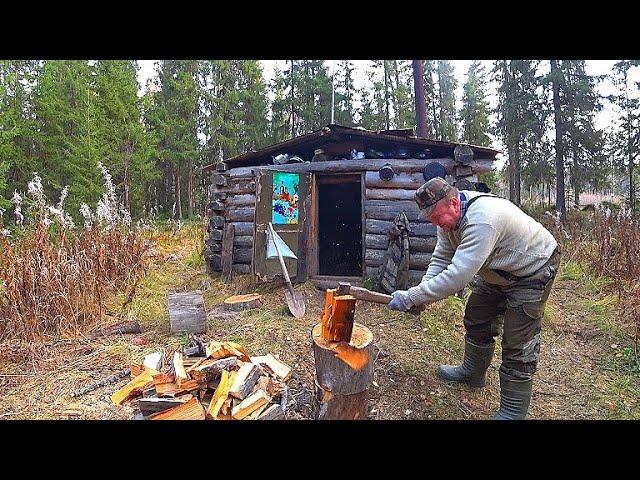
[[295, 303]]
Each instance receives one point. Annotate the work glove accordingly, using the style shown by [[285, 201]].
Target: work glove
[[400, 301]]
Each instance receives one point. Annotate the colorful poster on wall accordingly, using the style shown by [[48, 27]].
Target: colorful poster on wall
[[285, 198]]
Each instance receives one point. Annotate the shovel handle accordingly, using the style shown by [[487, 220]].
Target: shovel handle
[[284, 267]]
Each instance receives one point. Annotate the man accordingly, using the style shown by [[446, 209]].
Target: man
[[516, 260]]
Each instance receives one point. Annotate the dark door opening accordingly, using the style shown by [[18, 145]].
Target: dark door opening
[[339, 226]]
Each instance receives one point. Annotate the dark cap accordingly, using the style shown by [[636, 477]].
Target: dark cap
[[428, 195]]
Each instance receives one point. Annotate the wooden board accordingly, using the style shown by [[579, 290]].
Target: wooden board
[[187, 312], [227, 251], [149, 406], [191, 410]]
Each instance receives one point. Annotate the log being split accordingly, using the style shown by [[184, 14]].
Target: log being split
[[343, 352]]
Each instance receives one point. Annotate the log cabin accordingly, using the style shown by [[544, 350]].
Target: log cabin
[[332, 196]]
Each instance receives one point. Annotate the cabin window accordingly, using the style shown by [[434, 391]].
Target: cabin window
[[340, 225]]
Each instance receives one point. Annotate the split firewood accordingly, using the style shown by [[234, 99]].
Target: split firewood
[[211, 369], [246, 378], [100, 383], [250, 404], [189, 365], [239, 303], [274, 365], [191, 410], [134, 387], [256, 413], [221, 393], [225, 411], [273, 412], [339, 325], [327, 311], [149, 392], [161, 378], [120, 328], [178, 368], [149, 406], [217, 350], [136, 369], [191, 351], [153, 361], [191, 362]]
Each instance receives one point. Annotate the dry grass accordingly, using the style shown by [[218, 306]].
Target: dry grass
[[580, 375]]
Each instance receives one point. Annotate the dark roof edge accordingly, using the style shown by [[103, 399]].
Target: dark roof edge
[[342, 130]]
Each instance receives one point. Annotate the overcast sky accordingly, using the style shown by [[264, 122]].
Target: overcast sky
[[594, 67]]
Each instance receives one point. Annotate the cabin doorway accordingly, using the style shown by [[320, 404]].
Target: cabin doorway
[[339, 201]]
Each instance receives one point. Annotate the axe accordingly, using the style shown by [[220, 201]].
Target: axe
[[360, 293]]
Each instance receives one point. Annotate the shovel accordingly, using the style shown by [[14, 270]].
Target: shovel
[[295, 300]]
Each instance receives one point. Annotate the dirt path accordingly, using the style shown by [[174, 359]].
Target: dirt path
[[585, 371]]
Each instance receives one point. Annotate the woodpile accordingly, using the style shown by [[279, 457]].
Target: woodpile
[[217, 381]]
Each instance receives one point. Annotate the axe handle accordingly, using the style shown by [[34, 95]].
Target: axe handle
[[360, 293]]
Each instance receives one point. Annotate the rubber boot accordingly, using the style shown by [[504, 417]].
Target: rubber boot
[[515, 396], [473, 371]]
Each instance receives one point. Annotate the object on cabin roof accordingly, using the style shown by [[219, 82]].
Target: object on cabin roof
[[331, 135], [463, 154], [286, 158]]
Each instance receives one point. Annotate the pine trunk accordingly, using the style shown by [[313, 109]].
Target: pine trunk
[[418, 85], [560, 202], [178, 195], [386, 93], [190, 189]]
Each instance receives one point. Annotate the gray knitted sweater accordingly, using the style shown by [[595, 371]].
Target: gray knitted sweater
[[494, 234]]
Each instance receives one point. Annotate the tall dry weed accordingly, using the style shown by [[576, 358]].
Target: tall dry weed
[[608, 243], [54, 277]]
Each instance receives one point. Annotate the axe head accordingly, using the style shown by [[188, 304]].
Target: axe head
[[343, 288]]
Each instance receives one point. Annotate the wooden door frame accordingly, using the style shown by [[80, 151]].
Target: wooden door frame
[[312, 247]]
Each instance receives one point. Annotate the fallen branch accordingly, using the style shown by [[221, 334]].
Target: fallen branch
[[100, 383], [118, 329]]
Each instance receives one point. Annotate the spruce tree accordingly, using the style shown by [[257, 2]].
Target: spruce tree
[[123, 146], [344, 94], [447, 115], [279, 127], [431, 98], [17, 123], [625, 140], [179, 120], [475, 107], [522, 111], [66, 140]]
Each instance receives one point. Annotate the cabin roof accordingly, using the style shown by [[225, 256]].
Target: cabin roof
[[334, 134]]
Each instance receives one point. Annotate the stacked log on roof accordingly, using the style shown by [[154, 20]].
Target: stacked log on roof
[[221, 382]]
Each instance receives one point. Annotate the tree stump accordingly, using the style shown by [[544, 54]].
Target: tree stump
[[239, 303], [344, 371]]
